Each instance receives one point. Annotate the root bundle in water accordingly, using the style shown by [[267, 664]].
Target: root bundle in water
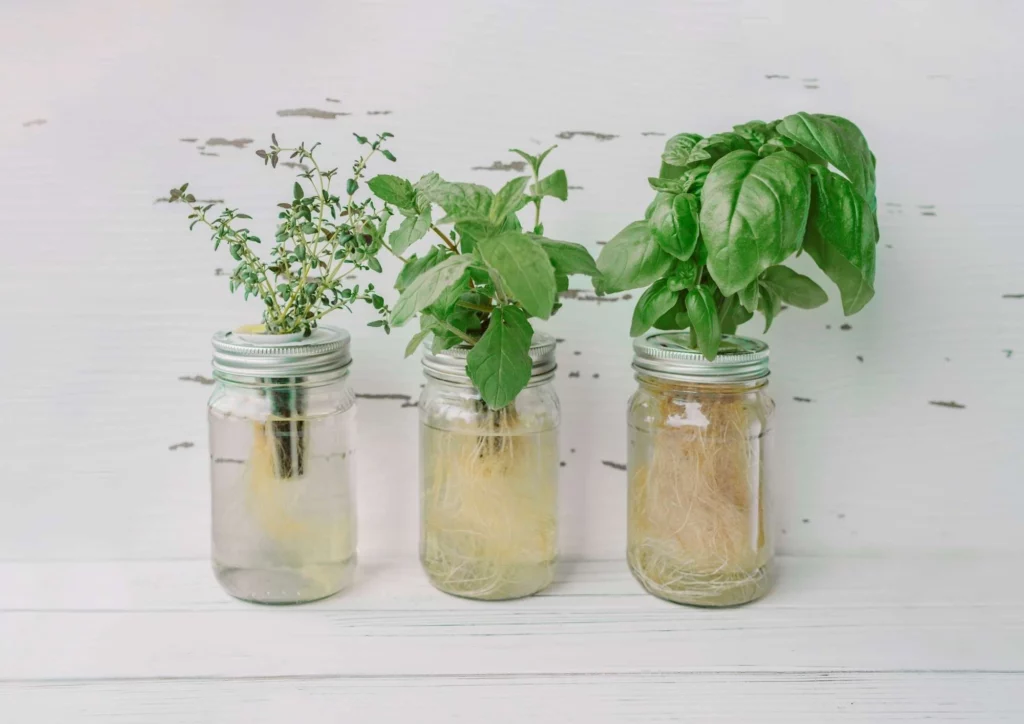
[[697, 518], [279, 536], [489, 506]]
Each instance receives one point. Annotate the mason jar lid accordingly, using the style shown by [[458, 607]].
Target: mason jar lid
[[240, 354], [669, 355], [450, 364]]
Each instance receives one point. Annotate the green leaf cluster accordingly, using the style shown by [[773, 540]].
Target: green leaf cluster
[[322, 238], [484, 277], [729, 209]]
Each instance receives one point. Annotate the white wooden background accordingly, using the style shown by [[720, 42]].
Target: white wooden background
[[900, 520]]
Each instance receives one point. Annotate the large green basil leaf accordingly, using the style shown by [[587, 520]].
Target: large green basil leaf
[[426, 288], [632, 259], [675, 223], [703, 316], [509, 199], [567, 257], [794, 288], [499, 364], [393, 190], [555, 185], [839, 142], [842, 234], [653, 303], [754, 215], [412, 229], [524, 269]]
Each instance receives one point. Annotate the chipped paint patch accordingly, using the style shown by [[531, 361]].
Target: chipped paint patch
[[595, 375], [1008, 353], [207, 153], [569, 135], [846, 327], [34, 122], [516, 166], [228, 461], [378, 113], [575, 188], [574, 374], [776, 76], [577, 353], [196, 378], [947, 403], [234, 142], [803, 399], [310, 113], [181, 445], [292, 164], [652, 133], [1013, 296], [188, 140], [614, 465], [333, 100], [860, 358], [167, 200], [584, 295]]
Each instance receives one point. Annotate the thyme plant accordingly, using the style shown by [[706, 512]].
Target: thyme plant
[[323, 236]]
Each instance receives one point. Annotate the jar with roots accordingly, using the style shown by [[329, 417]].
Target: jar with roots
[[489, 480], [699, 436], [282, 418]]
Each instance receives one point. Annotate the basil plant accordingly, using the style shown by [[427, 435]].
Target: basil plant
[[730, 208]]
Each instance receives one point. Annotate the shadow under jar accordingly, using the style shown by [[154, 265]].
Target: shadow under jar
[[699, 436], [282, 419], [489, 480]]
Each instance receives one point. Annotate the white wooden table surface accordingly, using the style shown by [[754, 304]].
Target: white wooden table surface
[[900, 595]]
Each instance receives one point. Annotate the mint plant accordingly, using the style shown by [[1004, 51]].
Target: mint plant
[[730, 208], [484, 278], [323, 237]]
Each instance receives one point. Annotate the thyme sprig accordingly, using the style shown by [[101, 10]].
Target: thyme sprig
[[322, 238]]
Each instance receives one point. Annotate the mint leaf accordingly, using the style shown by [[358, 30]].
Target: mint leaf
[[567, 257], [416, 266], [425, 289], [524, 269], [412, 229], [509, 199], [499, 364], [416, 341], [555, 185], [459, 200], [393, 190]]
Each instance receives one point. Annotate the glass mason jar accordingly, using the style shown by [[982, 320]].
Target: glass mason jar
[[699, 436], [489, 480], [282, 420]]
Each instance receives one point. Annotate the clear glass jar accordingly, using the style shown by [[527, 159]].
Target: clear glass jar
[[282, 419], [699, 438], [489, 480]]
